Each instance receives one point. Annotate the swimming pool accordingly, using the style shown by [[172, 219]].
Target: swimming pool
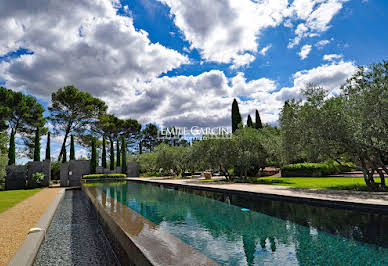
[[236, 230]]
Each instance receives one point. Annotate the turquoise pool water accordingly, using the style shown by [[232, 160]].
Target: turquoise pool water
[[234, 230]]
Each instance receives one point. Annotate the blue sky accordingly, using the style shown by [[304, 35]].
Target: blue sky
[[181, 62]]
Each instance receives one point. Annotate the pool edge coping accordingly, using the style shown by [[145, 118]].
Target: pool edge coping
[[117, 231], [29, 249]]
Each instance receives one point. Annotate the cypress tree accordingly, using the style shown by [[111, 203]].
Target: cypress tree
[[64, 155], [37, 145], [93, 161], [48, 152], [112, 156], [11, 149], [249, 121], [140, 147], [124, 156], [72, 149], [118, 152], [258, 124], [236, 117], [103, 157]]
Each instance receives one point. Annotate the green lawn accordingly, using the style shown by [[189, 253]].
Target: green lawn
[[12, 197], [344, 183]]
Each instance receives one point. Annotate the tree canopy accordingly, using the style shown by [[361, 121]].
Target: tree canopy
[[351, 125], [73, 110]]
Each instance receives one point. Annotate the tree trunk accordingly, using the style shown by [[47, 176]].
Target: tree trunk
[[64, 142], [369, 178]]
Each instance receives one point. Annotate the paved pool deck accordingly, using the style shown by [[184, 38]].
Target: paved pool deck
[[336, 198]]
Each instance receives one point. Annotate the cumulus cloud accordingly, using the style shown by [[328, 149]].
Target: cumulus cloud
[[304, 52], [205, 99], [223, 30], [264, 50], [84, 43], [322, 43], [332, 57], [242, 60], [316, 16], [329, 76]]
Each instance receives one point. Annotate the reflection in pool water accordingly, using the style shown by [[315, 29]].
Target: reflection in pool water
[[270, 232]]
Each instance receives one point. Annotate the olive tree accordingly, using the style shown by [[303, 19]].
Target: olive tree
[[365, 98], [352, 125], [248, 152]]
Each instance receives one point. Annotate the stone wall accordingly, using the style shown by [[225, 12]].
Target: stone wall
[[20, 176], [78, 168], [72, 172], [39, 167], [16, 177], [132, 169], [64, 174]]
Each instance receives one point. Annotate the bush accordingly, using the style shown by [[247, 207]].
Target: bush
[[37, 178], [102, 176], [55, 170], [151, 174], [328, 167]]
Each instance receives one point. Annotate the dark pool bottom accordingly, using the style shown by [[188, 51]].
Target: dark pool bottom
[[74, 236]]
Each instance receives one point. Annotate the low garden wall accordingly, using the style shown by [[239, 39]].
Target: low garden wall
[[20, 176], [72, 172]]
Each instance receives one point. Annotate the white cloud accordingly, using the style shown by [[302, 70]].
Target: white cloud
[[332, 57], [242, 60], [223, 30], [304, 52], [329, 76], [264, 50], [84, 43], [316, 16], [322, 43]]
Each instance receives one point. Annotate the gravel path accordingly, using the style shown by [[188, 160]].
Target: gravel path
[[19, 219], [74, 236]]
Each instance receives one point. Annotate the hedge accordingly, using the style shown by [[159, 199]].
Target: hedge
[[325, 168], [97, 176]]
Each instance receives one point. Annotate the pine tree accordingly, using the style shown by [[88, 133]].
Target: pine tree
[[48, 151], [236, 116], [11, 149], [93, 161], [37, 145], [249, 121], [72, 149], [258, 124], [112, 156], [124, 156], [118, 160], [103, 157]]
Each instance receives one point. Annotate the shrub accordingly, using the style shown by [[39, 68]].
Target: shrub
[[55, 170], [37, 178], [328, 167], [97, 176], [151, 174]]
